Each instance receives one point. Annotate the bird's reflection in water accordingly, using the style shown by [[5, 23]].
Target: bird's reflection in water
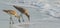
[[20, 25], [24, 25], [10, 26]]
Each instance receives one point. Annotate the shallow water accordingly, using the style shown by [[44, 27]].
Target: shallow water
[[43, 15]]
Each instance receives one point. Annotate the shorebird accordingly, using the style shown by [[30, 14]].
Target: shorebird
[[12, 12], [23, 11]]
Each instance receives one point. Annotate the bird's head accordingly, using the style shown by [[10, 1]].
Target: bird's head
[[5, 11]]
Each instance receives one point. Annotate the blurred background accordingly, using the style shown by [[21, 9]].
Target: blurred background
[[43, 13]]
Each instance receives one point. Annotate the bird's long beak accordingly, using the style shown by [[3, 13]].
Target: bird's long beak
[[5, 11], [15, 6]]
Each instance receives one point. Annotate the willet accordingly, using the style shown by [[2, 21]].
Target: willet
[[23, 11], [12, 12]]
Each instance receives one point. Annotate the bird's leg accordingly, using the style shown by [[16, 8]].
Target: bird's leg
[[10, 19], [28, 16], [19, 20], [10, 22], [22, 17]]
